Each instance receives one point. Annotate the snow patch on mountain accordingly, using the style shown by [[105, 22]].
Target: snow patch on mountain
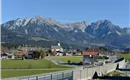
[[103, 35], [19, 22], [91, 36], [75, 31], [36, 31], [55, 29], [26, 21], [11, 27], [118, 32], [128, 31], [26, 31], [109, 33]]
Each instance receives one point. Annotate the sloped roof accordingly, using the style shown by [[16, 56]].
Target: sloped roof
[[89, 53]]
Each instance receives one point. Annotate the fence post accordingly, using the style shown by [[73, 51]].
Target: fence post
[[36, 77], [57, 75], [51, 76], [62, 75], [87, 74], [44, 77], [72, 75]]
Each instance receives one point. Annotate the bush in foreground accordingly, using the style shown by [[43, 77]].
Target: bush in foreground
[[116, 73]]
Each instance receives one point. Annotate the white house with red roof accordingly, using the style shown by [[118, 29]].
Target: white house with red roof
[[88, 57]]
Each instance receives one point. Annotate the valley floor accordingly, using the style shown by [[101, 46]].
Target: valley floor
[[15, 68]]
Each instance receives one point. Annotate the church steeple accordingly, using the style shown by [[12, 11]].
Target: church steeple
[[58, 43]]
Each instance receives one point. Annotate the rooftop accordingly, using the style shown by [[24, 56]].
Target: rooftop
[[89, 53]]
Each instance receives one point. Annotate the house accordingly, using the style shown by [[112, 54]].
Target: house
[[4, 56], [69, 54], [23, 51], [88, 57], [77, 53], [59, 53], [57, 48], [29, 55], [7, 56], [18, 56], [11, 56]]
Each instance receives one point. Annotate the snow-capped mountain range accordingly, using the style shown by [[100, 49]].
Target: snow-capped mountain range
[[102, 32]]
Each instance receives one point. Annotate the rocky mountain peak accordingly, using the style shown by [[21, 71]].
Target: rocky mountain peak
[[102, 31], [103, 24], [126, 30], [77, 25], [103, 28], [47, 21]]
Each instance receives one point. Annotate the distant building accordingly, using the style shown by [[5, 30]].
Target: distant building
[[59, 53], [57, 48], [77, 52], [23, 51], [88, 57], [7, 56]]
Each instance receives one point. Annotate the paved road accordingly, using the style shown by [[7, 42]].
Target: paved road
[[126, 69], [113, 58]]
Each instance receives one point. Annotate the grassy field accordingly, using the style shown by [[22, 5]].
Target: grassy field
[[48, 66], [126, 56], [33, 64], [66, 58], [34, 38], [8, 74], [38, 39]]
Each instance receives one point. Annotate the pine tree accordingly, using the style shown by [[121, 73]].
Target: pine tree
[[36, 55]]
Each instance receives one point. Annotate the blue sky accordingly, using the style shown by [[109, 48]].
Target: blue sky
[[67, 11]]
